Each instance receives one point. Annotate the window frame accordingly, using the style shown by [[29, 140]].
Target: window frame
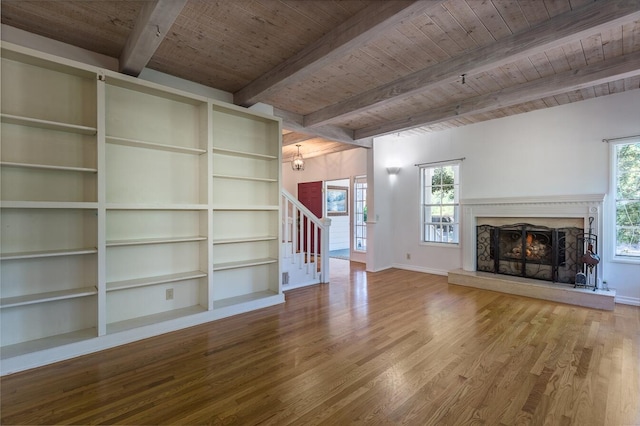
[[359, 180], [613, 190], [456, 224]]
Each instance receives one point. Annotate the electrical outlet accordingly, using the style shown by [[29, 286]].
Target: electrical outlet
[[408, 256], [169, 294]]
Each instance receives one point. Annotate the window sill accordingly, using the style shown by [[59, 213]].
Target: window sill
[[627, 260], [440, 245]]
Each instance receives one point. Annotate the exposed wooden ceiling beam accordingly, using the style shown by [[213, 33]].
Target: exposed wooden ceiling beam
[[565, 28], [152, 25], [315, 148], [598, 73], [296, 137], [292, 121], [351, 34]]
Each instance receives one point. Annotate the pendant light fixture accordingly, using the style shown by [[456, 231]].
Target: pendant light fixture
[[297, 162]]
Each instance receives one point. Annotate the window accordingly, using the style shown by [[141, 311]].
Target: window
[[360, 217], [626, 168], [440, 206]]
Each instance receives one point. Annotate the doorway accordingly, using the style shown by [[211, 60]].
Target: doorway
[[338, 208]]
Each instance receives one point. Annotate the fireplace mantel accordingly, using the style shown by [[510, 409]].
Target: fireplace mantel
[[581, 206], [551, 199]]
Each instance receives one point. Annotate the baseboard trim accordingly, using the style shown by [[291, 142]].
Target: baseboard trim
[[422, 269], [625, 300]]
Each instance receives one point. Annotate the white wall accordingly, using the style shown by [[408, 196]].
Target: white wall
[[338, 165], [556, 151], [381, 210]]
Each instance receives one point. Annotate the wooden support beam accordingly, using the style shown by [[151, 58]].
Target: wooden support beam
[[598, 73], [315, 148], [565, 28], [296, 137], [355, 32], [152, 25], [292, 121]]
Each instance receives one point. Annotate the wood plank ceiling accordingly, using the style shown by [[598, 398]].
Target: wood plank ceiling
[[342, 71]]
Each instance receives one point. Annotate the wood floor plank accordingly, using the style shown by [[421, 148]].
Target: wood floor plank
[[391, 347]]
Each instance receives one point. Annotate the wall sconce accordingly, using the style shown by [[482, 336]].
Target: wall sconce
[[393, 170], [297, 162]]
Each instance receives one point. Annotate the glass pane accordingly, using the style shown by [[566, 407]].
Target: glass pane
[[455, 217], [454, 233], [360, 201], [437, 229], [628, 171], [437, 215], [628, 228], [426, 214], [429, 233]]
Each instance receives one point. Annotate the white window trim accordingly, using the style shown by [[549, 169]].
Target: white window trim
[[612, 204], [440, 244]]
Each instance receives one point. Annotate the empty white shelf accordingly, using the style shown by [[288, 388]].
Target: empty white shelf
[[51, 296], [47, 253], [153, 319], [237, 300], [145, 241], [243, 264], [161, 279], [233, 152], [159, 206], [47, 124], [44, 343], [48, 205], [244, 239], [154, 145], [48, 167], [247, 207], [250, 178]]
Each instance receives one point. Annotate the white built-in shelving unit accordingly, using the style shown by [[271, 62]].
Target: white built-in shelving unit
[[157, 233], [48, 215], [246, 206], [128, 209]]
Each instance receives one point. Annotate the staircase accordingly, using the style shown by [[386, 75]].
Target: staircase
[[305, 245]]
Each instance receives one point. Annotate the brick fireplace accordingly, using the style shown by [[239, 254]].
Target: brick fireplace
[[553, 212]]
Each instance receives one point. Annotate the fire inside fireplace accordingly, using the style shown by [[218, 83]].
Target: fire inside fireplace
[[532, 246], [529, 251]]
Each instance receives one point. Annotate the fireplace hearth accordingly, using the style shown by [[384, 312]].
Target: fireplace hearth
[[529, 251]]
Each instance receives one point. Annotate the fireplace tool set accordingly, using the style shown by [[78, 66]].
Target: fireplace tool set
[[587, 275]]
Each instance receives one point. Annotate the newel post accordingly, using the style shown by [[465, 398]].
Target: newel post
[[326, 223]]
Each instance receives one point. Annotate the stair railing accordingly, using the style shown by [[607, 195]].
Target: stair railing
[[307, 236]]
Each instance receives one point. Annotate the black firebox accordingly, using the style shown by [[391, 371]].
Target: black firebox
[[530, 251]]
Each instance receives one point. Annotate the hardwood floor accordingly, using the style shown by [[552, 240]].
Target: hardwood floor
[[394, 347]]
